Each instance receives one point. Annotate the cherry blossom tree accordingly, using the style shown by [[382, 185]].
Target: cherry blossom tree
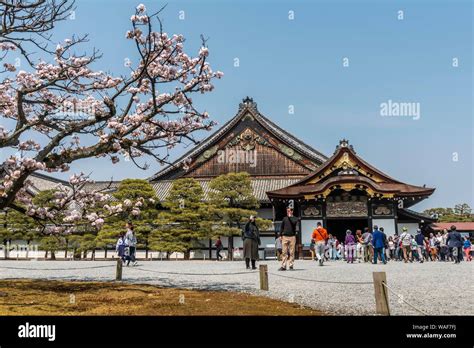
[[58, 109]]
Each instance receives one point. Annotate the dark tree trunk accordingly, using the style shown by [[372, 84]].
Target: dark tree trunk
[[27, 248], [146, 249], [46, 255], [93, 255], [53, 255], [231, 248], [65, 251], [187, 254], [105, 254]]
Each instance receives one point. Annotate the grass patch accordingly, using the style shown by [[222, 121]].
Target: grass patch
[[51, 297]]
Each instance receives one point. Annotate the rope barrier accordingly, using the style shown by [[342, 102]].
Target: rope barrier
[[55, 269], [200, 274], [401, 298], [320, 281]]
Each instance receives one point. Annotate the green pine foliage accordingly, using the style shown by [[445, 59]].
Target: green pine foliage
[[232, 203], [51, 244], [16, 226], [184, 222], [460, 213], [131, 189]]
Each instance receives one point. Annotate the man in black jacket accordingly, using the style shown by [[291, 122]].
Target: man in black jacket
[[288, 239], [455, 244]]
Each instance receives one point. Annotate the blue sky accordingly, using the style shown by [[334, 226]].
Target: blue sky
[[299, 62]]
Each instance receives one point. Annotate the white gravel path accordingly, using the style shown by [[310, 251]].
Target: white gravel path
[[437, 288]]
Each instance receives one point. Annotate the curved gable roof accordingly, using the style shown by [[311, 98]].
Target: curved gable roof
[[248, 106]]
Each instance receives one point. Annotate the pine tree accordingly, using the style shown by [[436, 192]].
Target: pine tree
[[133, 190], [51, 244], [460, 213], [183, 224], [15, 225], [232, 203]]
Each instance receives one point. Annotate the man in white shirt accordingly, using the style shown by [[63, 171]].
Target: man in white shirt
[[405, 237]]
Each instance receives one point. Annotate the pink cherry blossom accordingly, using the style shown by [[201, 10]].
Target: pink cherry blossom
[[79, 112]]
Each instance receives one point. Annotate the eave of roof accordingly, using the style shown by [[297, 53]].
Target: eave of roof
[[416, 215], [400, 189], [49, 178], [259, 187], [391, 185], [460, 226]]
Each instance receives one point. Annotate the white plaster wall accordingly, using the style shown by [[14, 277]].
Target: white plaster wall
[[307, 228], [387, 224]]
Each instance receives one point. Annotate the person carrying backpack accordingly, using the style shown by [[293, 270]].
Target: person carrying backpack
[[120, 247], [455, 244], [367, 244], [405, 239], [320, 235]]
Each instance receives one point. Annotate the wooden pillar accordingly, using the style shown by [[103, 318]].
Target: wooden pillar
[[324, 214], [369, 210], [230, 248], [118, 271], [263, 277], [395, 213], [381, 293]]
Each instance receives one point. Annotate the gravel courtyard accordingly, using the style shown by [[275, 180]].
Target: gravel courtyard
[[436, 288]]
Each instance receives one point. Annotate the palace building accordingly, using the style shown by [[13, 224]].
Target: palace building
[[348, 193], [343, 191], [248, 142]]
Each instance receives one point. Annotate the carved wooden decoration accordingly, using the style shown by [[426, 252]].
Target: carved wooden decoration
[[383, 209], [346, 209], [311, 211]]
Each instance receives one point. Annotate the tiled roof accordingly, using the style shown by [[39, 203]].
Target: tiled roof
[[396, 188], [103, 186], [260, 187], [247, 106], [41, 182], [163, 187], [460, 226], [415, 214]]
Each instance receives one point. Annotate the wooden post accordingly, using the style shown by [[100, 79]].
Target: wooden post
[[263, 277], [381, 293], [118, 273], [300, 252]]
